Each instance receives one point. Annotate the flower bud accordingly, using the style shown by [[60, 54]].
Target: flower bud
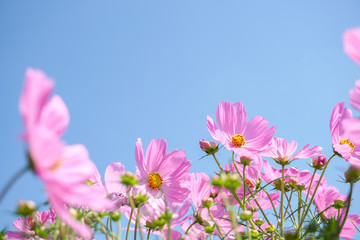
[[352, 175], [207, 202], [339, 203], [245, 160], [214, 194], [319, 162], [259, 222], [26, 208], [232, 182], [270, 228], [140, 199], [208, 147], [254, 233], [246, 215], [115, 216], [209, 229], [129, 179]]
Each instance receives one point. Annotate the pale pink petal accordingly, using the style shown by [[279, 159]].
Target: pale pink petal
[[351, 40], [155, 153], [355, 96], [112, 178], [55, 116]]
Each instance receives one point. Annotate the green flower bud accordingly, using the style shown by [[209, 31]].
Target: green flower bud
[[209, 229], [26, 208], [207, 202], [115, 216], [129, 179], [246, 215], [270, 228]]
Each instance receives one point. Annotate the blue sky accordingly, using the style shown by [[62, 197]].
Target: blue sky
[[156, 69]]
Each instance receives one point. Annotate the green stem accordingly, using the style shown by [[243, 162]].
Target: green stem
[[187, 230], [313, 195], [216, 225], [348, 201], [118, 229], [148, 235], [128, 227], [312, 178], [217, 162], [11, 182], [282, 202], [232, 215]]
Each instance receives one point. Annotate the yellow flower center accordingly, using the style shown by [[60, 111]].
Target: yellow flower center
[[238, 140], [346, 141], [155, 180]]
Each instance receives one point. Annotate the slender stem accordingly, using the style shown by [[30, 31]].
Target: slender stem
[[232, 215], [248, 228], [282, 202], [216, 225], [259, 206], [244, 183], [11, 182], [217, 162], [148, 235], [111, 229], [187, 230], [272, 204], [119, 229], [289, 205], [312, 178], [128, 227], [348, 201], [136, 223], [313, 195], [299, 205]]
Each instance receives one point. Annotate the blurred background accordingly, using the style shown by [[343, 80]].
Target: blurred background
[[156, 69]]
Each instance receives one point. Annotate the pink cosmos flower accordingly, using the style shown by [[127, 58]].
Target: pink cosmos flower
[[352, 126], [342, 144], [159, 170], [63, 169], [26, 225], [201, 189], [37, 109], [325, 197], [351, 39], [235, 132], [283, 152]]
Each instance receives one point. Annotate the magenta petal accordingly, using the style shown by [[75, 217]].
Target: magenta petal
[[351, 40], [352, 129]]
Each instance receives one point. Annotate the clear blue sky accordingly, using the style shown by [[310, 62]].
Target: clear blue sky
[[155, 69]]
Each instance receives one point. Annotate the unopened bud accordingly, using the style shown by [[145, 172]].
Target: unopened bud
[[339, 203], [140, 199], [129, 179], [245, 160], [232, 182], [259, 222], [270, 228], [26, 208], [352, 175], [254, 233], [118, 198], [208, 147], [209, 229], [319, 162], [246, 215], [115, 216], [207, 202]]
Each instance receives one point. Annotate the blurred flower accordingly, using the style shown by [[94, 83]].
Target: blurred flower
[[63, 169], [351, 39], [235, 132], [160, 171], [352, 126]]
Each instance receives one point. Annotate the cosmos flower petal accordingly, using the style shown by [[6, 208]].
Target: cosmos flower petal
[[351, 39], [112, 177]]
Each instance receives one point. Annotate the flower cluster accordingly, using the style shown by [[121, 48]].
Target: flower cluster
[[256, 195]]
